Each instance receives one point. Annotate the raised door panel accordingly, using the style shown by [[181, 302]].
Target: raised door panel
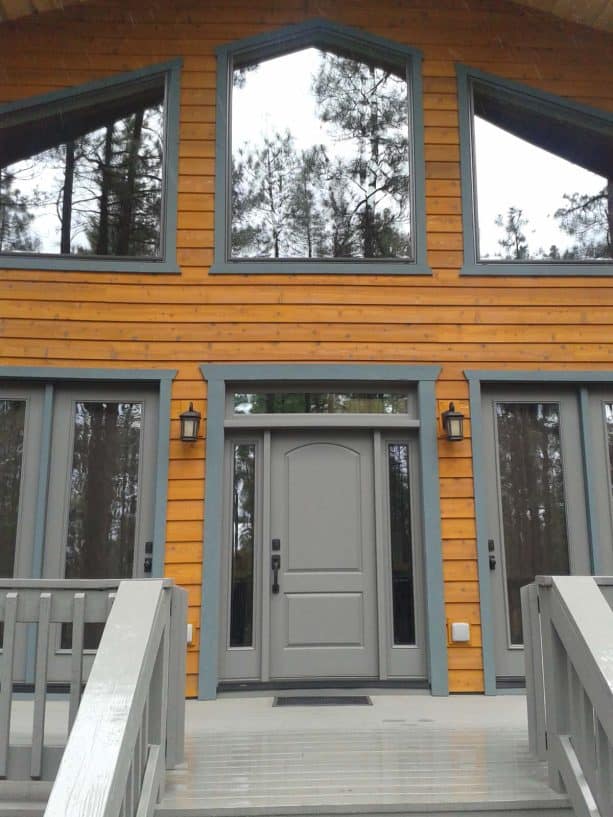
[[323, 620]]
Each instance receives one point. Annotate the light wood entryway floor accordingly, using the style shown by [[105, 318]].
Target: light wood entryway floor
[[403, 754]]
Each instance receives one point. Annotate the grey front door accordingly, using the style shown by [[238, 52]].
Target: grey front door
[[323, 618], [536, 504]]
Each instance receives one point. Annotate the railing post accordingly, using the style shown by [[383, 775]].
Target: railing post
[[556, 683], [535, 684], [175, 730]]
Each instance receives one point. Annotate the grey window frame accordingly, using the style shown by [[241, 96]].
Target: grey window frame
[[326, 35], [532, 98], [45, 104]]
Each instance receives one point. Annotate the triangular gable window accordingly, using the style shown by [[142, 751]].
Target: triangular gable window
[[320, 153], [84, 175], [540, 194]]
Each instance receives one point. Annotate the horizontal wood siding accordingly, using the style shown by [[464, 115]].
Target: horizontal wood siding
[[71, 318]]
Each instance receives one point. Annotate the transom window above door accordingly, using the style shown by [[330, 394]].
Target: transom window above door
[[321, 150]]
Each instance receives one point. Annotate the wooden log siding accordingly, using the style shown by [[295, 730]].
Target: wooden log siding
[[137, 320]]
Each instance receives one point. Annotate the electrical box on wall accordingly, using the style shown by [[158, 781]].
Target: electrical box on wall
[[459, 632]]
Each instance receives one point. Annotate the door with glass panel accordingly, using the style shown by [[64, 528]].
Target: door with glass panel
[[20, 434], [535, 502], [100, 504], [322, 567]]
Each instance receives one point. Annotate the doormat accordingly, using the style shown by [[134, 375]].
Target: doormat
[[322, 700]]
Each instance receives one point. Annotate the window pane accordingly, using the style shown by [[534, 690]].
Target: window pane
[[104, 490], [12, 423], [551, 197], [320, 159], [320, 403], [86, 180], [401, 544], [532, 498], [608, 413], [243, 536]]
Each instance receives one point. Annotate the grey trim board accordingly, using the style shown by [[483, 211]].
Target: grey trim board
[[476, 378], [433, 559], [326, 35], [217, 376], [536, 99], [593, 525], [43, 483], [161, 478], [43, 103]]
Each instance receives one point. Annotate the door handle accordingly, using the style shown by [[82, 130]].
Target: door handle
[[275, 564], [492, 555], [148, 563]]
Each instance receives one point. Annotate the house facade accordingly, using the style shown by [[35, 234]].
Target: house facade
[[322, 226]]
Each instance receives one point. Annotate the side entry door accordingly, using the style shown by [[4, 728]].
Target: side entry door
[[536, 505], [101, 492]]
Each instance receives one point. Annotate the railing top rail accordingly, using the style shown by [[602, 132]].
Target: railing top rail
[[584, 622], [69, 584], [87, 783], [601, 581]]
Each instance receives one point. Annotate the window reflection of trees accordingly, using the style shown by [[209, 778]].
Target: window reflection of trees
[[320, 403], [608, 408], [532, 498], [242, 536], [12, 422], [347, 197], [401, 544], [93, 186], [104, 490]]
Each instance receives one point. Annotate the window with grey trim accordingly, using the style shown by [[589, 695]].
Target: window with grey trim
[[542, 179], [320, 158], [86, 181], [88, 175], [319, 154]]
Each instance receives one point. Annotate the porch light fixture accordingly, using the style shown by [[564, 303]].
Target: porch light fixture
[[453, 424], [190, 422]]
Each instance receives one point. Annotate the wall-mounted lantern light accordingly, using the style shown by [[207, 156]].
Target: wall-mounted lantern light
[[453, 424], [190, 422]]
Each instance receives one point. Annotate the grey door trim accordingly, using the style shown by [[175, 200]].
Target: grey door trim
[[162, 379], [217, 375], [477, 378]]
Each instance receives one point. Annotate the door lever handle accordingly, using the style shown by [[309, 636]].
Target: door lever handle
[[275, 564], [492, 554]]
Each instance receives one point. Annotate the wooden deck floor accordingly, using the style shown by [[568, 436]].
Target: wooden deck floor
[[405, 753]]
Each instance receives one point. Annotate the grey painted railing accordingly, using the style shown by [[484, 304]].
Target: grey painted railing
[[127, 725], [568, 634]]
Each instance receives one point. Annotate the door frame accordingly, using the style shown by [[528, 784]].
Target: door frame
[[477, 379], [49, 377], [423, 379]]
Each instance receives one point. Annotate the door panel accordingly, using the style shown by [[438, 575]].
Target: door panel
[[536, 504], [323, 621], [20, 437], [100, 507]]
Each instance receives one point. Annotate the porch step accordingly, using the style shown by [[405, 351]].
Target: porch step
[[21, 808], [536, 808]]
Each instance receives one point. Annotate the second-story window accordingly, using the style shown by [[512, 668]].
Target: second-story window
[[320, 159], [320, 154]]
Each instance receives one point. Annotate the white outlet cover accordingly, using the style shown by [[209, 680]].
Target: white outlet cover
[[460, 631], [190, 633]]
